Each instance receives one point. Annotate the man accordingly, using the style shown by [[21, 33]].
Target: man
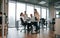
[[34, 22]]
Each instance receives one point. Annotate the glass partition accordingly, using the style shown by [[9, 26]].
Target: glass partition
[[11, 14]]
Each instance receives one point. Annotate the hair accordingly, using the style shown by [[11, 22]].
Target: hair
[[53, 18], [35, 10], [0, 12], [31, 15], [21, 13]]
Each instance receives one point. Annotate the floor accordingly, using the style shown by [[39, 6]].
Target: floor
[[1, 36], [14, 33]]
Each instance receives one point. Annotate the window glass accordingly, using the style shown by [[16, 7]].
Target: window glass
[[57, 12], [57, 16], [47, 14], [43, 12], [30, 9], [20, 8], [11, 14]]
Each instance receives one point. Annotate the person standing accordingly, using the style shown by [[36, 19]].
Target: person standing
[[37, 19], [36, 14]]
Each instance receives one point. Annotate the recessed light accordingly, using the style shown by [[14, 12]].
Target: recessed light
[[42, 2]]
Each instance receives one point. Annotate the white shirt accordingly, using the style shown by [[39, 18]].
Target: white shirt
[[33, 19]]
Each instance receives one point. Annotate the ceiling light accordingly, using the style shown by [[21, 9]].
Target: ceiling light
[[57, 7], [42, 2]]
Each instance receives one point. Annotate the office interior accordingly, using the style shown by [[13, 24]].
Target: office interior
[[10, 23]]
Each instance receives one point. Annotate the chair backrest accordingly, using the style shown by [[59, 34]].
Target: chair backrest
[[53, 20], [43, 21], [22, 22]]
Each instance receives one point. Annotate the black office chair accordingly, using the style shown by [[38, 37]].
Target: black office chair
[[23, 24], [42, 22]]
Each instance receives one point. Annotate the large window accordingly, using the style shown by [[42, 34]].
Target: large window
[[11, 14], [43, 12], [15, 9], [47, 14], [20, 8], [30, 9]]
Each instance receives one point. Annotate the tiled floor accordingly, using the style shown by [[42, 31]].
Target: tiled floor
[[14, 33]]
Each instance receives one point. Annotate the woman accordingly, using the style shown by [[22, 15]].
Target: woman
[[37, 18], [36, 14], [22, 16]]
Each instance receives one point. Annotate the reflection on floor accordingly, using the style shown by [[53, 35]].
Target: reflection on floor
[[1, 36], [14, 33]]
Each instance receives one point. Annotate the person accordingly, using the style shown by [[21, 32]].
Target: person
[[25, 23], [37, 18], [22, 17], [33, 22], [36, 14], [25, 15], [32, 18]]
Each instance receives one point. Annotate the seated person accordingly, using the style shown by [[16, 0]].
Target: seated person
[[25, 15], [32, 18], [22, 19], [24, 22], [33, 22]]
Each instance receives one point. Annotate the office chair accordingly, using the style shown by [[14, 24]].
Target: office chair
[[23, 24], [53, 22], [42, 22]]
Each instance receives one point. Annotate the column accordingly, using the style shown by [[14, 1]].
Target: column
[[51, 11]]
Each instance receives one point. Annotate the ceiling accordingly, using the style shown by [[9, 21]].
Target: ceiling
[[48, 2]]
